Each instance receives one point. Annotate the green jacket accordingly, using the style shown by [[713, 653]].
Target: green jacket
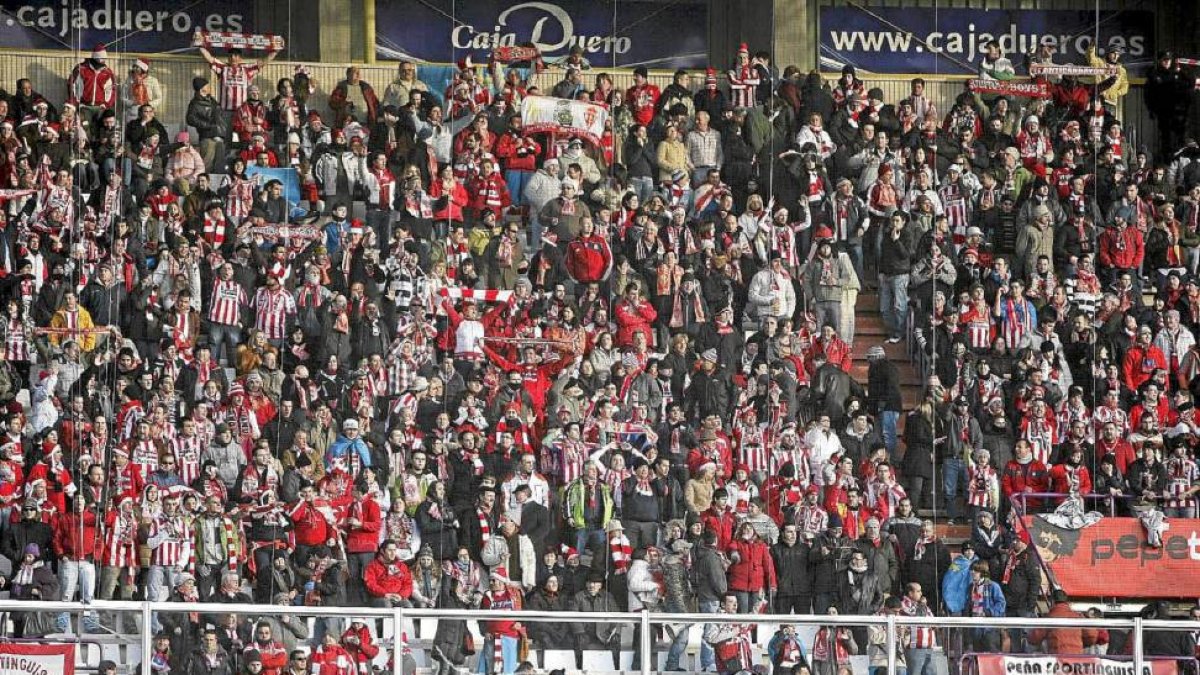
[[574, 508]]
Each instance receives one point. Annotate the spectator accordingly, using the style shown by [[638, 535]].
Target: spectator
[[387, 580]]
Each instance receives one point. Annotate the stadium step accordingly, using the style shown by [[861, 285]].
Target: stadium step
[[869, 331]]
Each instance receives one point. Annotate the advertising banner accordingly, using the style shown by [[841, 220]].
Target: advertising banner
[[544, 114], [611, 33], [1089, 561], [951, 41], [286, 175], [995, 664], [129, 25], [37, 659]]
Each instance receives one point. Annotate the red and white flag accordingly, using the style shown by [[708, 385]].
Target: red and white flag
[[485, 295]]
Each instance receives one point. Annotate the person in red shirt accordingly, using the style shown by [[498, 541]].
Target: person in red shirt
[[1024, 474], [387, 579], [518, 155], [488, 189], [538, 376], [265, 648], [642, 97], [1121, 250], [634, 314], [1142, 359], [719, 518], [77, 546], [359, 644], [309, 524], [360, 527], [1071, 476], [1112, 443], [330, 658], [752, 571]]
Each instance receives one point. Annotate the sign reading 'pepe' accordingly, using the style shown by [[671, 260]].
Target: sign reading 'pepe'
[[1085, 561]]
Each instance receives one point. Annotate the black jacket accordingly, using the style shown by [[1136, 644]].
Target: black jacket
[[792, 568], [136, 132], [437, 528], [204, 113], [883, 387], [708, 574], [535, 524], [709, 394], [1021, 591], [24, 533]]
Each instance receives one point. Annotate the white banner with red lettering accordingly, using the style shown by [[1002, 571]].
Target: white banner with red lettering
[[37, 659], [543, 114], [999, 664]]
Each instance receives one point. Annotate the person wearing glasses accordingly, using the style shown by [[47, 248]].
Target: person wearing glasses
[[297, 664]]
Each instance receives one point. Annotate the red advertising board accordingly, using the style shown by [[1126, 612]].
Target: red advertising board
[[37, 659], [1112, 558], [999, 664]]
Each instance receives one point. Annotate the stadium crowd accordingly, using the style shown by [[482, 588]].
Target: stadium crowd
[[538, 373]]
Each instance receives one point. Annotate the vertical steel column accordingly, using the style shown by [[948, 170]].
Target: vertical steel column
[[398, 641]]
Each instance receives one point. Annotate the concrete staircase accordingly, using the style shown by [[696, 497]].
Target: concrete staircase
[[869, 331]]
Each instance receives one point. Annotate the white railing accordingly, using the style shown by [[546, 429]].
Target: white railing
[[646, 619]]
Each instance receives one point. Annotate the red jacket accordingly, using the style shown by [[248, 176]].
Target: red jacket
[[1140, 363], [589, 259], [274, 656], [365, 650], [383, 578], [721, 523], [333, 660], [490, 192], [642, 100], [1031, 477], [518, 152], [91, 85], [309, 525], [1064, 640], [634, 319], [1060, 479], [754, 569], [1121, 451], [456, 199], [1122, 249], [73, 542], [365, 537]]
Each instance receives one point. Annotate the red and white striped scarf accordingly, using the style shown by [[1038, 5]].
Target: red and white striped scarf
[[214, 230], [485, 525], [621, 552]]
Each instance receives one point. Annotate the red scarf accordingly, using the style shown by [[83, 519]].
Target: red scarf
[[622, 553], [485, 525]]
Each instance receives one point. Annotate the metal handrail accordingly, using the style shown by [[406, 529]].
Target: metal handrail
[[1094, 497], [645, 618]]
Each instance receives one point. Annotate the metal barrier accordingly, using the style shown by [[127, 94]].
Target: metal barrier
[[1137, 626], [1091, 499]]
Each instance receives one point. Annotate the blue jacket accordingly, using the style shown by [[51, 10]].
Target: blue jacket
[[343, 447], [956, 585], [993, 599]]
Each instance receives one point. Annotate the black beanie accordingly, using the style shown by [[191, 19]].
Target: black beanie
[[198, 83]]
